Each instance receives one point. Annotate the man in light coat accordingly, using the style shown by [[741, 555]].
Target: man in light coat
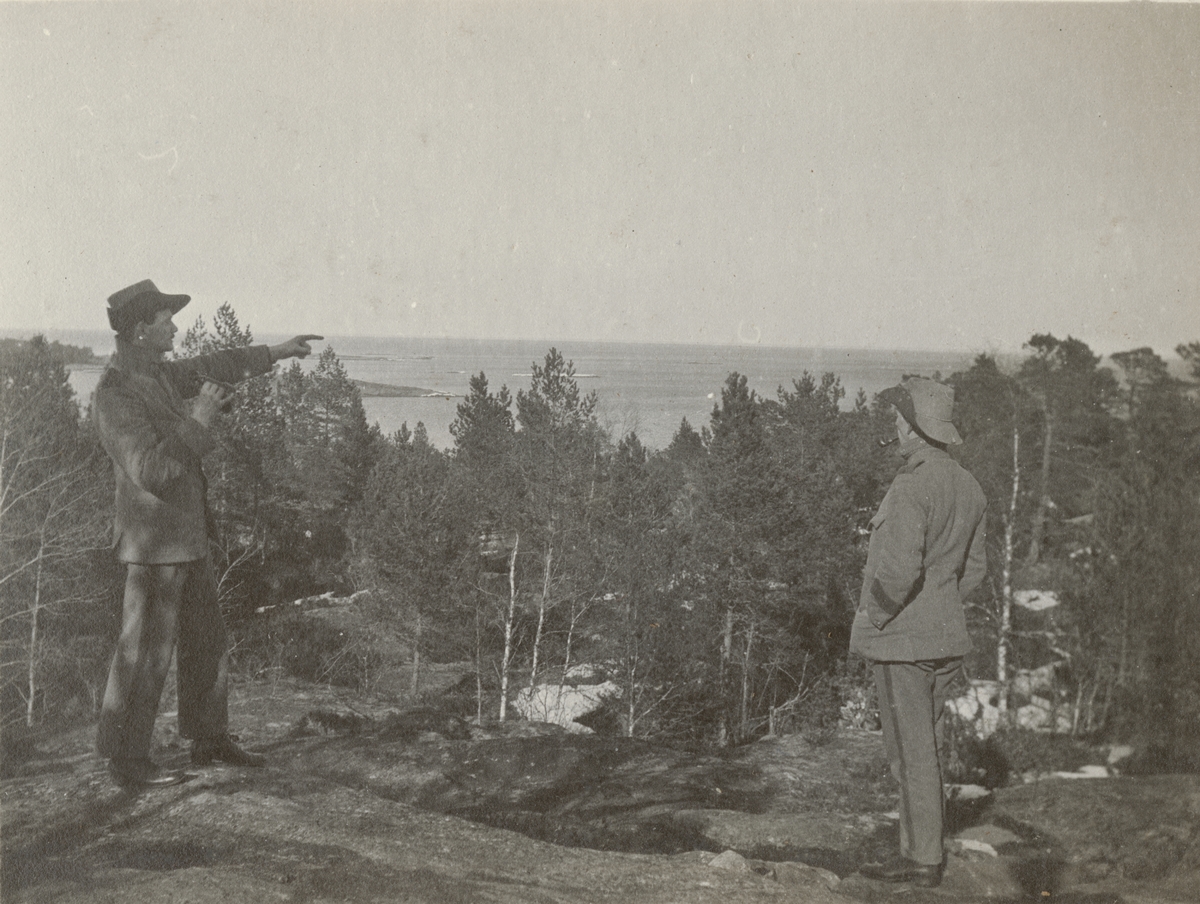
[[154, 418], [927, 552]]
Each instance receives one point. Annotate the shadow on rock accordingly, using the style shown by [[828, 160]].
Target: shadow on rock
[[614, 794]]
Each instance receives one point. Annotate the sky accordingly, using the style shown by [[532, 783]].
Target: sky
[[945, 176]]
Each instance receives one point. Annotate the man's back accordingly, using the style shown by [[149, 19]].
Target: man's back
[[927, 552]]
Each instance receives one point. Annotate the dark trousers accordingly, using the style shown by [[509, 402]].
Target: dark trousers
[[163, 604], [912, 701]]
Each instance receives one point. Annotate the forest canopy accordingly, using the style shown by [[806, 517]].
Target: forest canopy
[[710, 583]]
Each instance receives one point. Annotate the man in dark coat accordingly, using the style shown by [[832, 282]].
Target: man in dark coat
[[927, 552], [154, 418]]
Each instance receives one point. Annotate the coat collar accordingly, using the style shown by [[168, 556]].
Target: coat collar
[[919, 455], [133, 360]]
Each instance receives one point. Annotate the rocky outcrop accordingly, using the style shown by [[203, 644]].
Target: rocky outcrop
[[365, 800], [563, 704]]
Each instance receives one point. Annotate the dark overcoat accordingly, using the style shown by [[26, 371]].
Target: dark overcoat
[[156, 447]]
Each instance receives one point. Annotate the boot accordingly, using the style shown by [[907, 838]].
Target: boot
[[132, 774], [224, 749], [901, 869]]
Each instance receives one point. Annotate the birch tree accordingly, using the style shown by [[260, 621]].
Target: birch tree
[[54, 495], [489, 493], [993, 413], [560, 452]]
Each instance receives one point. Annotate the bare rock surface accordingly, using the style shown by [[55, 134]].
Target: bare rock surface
[[374, 799]]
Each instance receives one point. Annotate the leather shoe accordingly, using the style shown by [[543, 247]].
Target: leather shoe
[[141, 773], [901, 869], [224, 749]]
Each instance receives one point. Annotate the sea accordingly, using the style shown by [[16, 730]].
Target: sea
[[644, 388]]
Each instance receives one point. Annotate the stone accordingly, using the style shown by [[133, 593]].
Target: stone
[[1119, 753], [801, 874], [779, 831], [1085, 772], [563, 704], [988, 834], [730, 860], [977, 878], [979, 847], [967, 792]]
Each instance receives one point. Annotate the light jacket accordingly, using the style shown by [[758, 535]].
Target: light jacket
[[156, 447], [927, 552]]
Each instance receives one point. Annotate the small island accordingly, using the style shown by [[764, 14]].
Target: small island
[[386, 391]]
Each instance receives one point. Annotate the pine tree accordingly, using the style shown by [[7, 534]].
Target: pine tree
[[651, 642], [487, 490], [1147, 577], [483, 429], [1072, 394], [413, 538], [246, 474]]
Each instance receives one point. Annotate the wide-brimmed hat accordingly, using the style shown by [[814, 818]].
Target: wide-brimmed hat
[[139, 303], [926, 404]]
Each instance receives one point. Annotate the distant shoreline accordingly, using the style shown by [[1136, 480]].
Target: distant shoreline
[[366, 388], [71, 355]]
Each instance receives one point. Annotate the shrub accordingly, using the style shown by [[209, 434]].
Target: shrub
[[1008, 754], [316, 651]]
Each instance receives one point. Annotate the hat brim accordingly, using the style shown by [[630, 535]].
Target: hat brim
[[943, 431], [175, 302], [161, 300], [940, 431]]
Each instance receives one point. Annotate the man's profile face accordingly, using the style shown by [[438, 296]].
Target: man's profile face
[[159, 334]]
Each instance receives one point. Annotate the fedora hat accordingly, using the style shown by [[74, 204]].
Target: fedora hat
[[139, 303], [927, 405]]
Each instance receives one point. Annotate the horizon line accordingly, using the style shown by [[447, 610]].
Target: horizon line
[[984, 348], [993, 348]]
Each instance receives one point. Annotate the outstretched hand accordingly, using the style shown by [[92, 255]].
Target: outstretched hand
[[296, 347]]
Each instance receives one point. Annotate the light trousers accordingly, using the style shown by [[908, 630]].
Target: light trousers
[[166, 604], [912, 702]]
